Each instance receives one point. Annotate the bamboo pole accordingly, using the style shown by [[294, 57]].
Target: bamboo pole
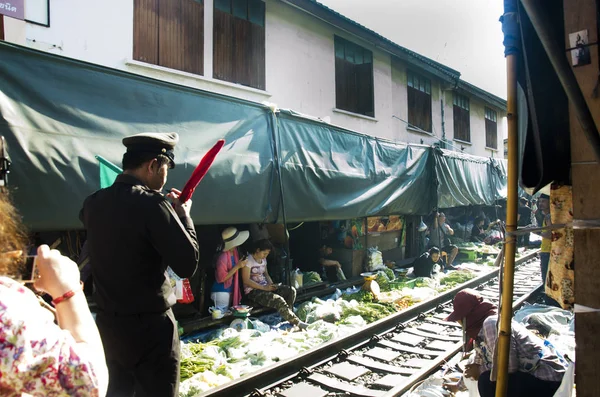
[[510, 247]]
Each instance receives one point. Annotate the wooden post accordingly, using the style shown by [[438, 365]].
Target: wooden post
[[582, 15], [510, 246]]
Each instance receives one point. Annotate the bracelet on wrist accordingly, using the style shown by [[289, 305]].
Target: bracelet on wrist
[[67, 295]]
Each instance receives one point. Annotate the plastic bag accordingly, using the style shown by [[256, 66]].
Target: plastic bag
[[340, 274], [298, 278], [181, 287], [471, 384], [566, 386], [551, 319], [374, 260]]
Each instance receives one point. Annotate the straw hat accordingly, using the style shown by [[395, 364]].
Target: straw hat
[[233, 238]]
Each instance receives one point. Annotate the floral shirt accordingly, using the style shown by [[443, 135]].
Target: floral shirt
[[257, 272], [527, 353], [36, 356]]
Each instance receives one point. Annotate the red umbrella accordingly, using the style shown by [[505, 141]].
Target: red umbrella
[[200, 171]]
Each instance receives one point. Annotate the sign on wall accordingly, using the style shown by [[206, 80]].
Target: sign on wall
[[38, 12], [14, 9]]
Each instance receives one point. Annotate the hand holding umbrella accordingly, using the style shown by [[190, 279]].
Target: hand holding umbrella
[[181, 198]]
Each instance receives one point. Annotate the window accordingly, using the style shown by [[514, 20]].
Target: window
[[353, 78], [491, 128], [419, 101], [169, 33], [239, 42], [38, 12], [462, 124]]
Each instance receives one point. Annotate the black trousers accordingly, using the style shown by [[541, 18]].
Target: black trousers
[[142, 354], [520, 384]]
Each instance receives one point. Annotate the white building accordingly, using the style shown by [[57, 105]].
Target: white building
[[297, 54]]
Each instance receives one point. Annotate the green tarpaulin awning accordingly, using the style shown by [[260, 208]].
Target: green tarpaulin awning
[[329, 173], [57, 114], [465, 180]]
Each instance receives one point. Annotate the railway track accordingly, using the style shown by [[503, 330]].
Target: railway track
[[385, 358]]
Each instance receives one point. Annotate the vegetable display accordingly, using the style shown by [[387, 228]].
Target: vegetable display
[[390, 274], [455, 278], [235, 353], [311, 278]]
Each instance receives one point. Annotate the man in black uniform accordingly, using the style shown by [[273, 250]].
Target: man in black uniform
[[134, 233]]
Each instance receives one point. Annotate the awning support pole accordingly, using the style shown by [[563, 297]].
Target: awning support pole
[[510, 241]]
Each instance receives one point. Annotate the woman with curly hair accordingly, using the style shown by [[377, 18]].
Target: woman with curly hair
[[37, 356]]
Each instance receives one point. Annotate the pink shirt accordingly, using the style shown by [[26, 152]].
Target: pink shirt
[[223, 267]]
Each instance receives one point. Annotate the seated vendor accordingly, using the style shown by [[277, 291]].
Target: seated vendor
[[332, 269], [535, 368], [478, 232], [259, 286], [424, 265], [225, 290]]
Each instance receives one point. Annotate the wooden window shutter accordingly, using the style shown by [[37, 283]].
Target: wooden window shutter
[[239, 42], [170, 33], [181, 35], [419, 101], [145, 31], [462, 127], [242, 55], [353, 78], [192, 26], [491, 134], [341, 91], [257, 49], [170, 43], [223, 46]]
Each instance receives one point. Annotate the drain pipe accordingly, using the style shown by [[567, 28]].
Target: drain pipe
[[443, 121], [445, 142]]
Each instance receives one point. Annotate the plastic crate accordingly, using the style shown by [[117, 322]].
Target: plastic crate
[[467, 255]]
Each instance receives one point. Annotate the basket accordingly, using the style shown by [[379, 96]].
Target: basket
[[415, 386]]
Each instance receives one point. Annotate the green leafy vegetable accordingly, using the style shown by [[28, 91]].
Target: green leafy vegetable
[[370, 312], [360, 296], [455, 278], [390, 274]]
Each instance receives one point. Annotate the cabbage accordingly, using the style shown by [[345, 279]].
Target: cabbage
[[390, 274], [303, 310], [383, 280]]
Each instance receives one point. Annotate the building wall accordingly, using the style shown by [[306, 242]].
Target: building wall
[[300, 67], [585, 168]]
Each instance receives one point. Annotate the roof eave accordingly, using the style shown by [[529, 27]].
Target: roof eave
[[485, 96], [333, 18]]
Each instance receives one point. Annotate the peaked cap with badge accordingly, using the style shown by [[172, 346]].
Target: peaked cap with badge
[[155, 143]]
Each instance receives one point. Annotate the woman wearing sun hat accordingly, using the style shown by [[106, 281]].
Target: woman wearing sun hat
[[226, 289], [535, 368]]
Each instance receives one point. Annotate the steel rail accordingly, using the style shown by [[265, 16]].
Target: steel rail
[[291, 367], [426, 372]]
